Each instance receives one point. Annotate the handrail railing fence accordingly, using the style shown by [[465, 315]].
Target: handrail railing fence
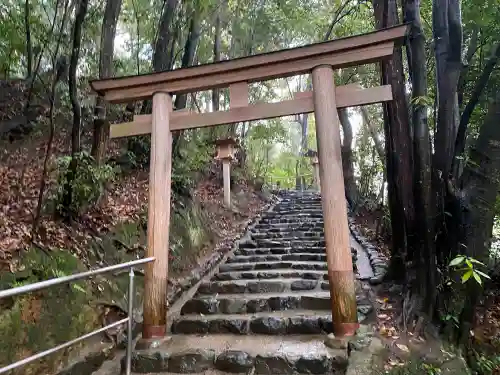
[[68, 279]]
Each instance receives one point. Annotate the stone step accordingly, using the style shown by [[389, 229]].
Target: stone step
[[289, 242], [303, 211], [289, 220], [257, 354], [296, 214], [278, 227], [280, 250], [301, 257], [297, 206], [259, 302], [291, 234], [260, 286], [297, 265], [290, 322], [283, 273]]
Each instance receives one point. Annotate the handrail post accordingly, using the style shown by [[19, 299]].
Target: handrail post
[[128, 368]]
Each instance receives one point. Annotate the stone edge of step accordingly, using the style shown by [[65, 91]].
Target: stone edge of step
[[197, 360]]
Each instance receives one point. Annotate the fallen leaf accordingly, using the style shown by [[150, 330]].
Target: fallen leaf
[[403, 347]]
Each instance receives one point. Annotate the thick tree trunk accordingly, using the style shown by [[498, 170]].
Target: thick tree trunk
[[447, 30], [108, 31], [161, 59], [424, 254], [481, 178], [398, 148], [351, 190]]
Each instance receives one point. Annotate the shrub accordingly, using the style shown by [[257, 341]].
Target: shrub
[[87, 186]]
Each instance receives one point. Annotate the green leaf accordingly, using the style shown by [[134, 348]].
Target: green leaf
[[466, 276], [469, 263], [476, 261], [477, 277], [457, 261], [79, 288], [483, 274]]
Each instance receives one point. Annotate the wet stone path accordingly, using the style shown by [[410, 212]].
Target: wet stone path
[[267, 310]]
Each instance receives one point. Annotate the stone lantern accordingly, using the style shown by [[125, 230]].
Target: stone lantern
[[225, 152]]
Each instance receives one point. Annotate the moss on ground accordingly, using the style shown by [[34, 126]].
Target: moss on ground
[[38, 321], [41, 320]]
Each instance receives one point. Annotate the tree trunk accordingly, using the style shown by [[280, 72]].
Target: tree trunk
[[187, 60], [471, 104], [482, 185], [398, 148], [447, 33], [29, 44], [217, 45], [424, 255], [471, 51], [447, 30], [75, 105], [374, 134], [161, 59], [108, 31], [351, 189]]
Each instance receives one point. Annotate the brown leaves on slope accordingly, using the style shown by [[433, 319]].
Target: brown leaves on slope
[[20, 174]]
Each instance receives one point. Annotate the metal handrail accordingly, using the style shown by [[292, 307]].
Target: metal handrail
[[68, 279]]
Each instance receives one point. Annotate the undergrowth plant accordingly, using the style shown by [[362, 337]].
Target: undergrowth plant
[[87, 186]]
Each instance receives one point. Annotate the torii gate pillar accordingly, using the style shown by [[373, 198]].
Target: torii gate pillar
[[338, 249], [160, 175]]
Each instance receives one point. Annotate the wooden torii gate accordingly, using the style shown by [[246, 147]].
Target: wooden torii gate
[[319, 59]]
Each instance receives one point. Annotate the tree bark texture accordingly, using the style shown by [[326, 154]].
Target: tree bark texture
[[351, 189], [161, 56], [424, 254], [398, 147], [108, 32], [482, 179], [447, 31], [187, 60]]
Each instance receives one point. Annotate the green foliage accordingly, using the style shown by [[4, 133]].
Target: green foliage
[[468, 267], [483, 364], [88, 184]]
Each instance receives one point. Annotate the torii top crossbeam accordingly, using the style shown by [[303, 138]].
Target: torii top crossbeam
[[339, 53], [324, 100]]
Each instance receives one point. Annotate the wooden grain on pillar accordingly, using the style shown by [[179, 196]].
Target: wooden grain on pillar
[[156, 275], [338, 249]]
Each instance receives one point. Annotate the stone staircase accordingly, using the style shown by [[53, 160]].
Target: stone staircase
[[267, 309]]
